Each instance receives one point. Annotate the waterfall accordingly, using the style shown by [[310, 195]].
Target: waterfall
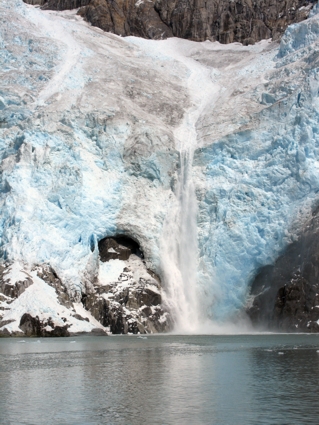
[[188, 245], [179, 244], [180, 250]]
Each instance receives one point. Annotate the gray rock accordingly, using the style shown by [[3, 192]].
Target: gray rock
[[46, 273], [15, 290], [79, 317], [98, 332], [6, 322], [222, 20]]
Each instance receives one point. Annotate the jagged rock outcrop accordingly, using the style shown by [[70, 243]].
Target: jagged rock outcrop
[[124, 18], [13, 289], [286, 294], [51, 278], [127, 297], [222, 20]]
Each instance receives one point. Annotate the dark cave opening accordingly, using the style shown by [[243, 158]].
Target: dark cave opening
[[118, 247]]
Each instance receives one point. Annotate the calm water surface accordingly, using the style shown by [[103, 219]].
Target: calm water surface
[[235, 380]]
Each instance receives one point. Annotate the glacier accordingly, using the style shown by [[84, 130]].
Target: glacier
[[94, 131]]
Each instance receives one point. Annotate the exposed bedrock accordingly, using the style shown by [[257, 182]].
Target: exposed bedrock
[[125, 298], [220, 20], [285, 295], [131, 308]]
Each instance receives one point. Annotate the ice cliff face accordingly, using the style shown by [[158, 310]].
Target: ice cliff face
[[92, 126]]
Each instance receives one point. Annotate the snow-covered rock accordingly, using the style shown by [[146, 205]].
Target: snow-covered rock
[[32, 305]]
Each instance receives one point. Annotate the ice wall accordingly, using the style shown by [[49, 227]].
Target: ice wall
[[89, 146]]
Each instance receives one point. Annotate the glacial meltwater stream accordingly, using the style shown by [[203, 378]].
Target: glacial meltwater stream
[[163, 379]]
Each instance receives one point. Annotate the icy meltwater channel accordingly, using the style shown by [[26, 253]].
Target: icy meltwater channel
[[242, 380]]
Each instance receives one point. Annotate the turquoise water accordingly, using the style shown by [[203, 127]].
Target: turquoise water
[[220, 380]]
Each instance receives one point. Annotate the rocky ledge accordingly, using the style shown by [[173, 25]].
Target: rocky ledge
[[285, 295], [216, 20], [125, 297]]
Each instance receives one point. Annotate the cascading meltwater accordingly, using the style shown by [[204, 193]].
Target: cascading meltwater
[[180, 251]]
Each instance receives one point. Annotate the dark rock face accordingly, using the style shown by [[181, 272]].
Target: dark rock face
[[222, 20], [33, 326], [230, 21], [118, 248], [130, 304], [286, 294], [124, 18], [36, 2]]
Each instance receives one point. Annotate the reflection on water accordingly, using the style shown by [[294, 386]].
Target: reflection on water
[[221, 380]]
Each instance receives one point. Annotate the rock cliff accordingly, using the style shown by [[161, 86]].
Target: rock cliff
[[285, 295], [216, 20]]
